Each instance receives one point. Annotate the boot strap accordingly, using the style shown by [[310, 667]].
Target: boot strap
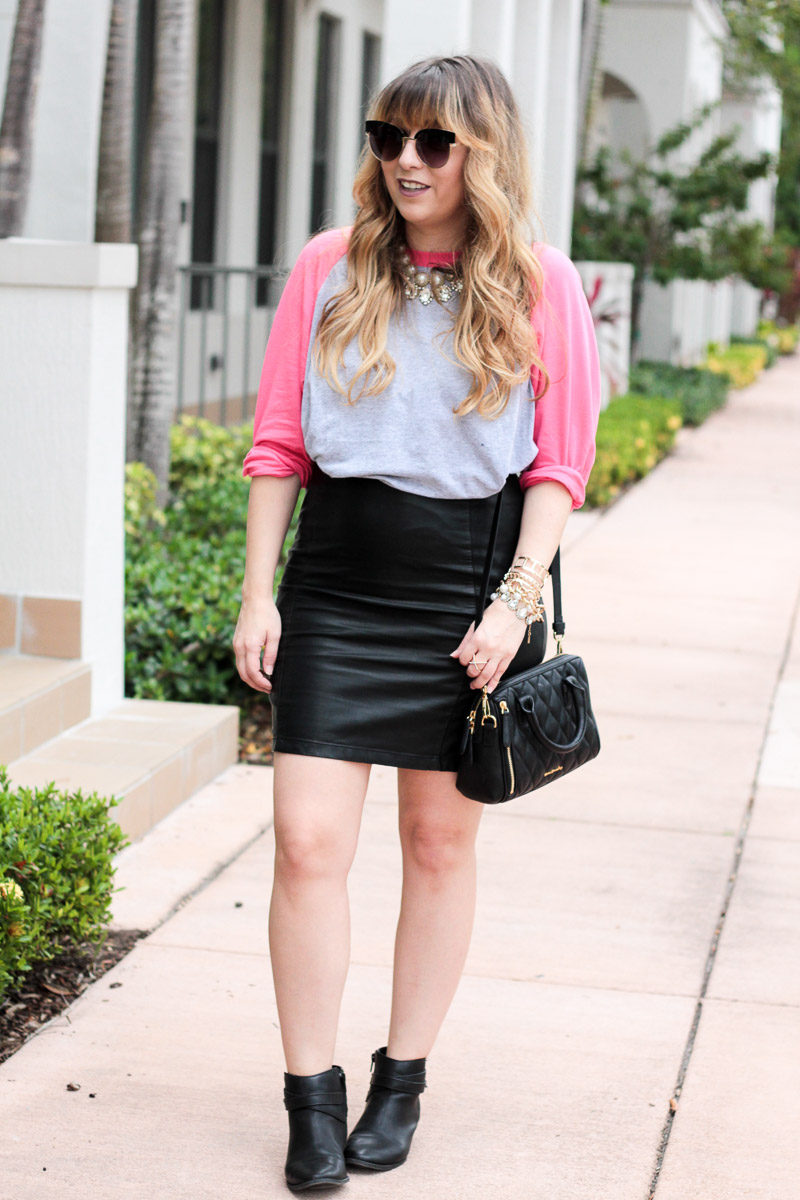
[[412, 1085], [331, 1103]]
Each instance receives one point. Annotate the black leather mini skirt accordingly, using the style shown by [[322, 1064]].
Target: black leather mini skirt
[[379, 588]]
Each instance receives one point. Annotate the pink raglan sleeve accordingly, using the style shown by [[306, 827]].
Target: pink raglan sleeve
[[278, 447], [566, 417]]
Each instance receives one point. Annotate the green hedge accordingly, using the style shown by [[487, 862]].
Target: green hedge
[[184, 567], [741, 362], [771, 352], [784, 338], [699, 392], [56, 873], [633, 434]]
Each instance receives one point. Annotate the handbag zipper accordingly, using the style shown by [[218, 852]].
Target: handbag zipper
[[503, 716]]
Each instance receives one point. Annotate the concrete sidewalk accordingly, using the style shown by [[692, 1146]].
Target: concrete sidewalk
[[633, 989]]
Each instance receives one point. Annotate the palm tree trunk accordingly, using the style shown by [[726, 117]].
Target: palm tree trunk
[[16, 130], [115, 157], [152, 394], [591, 28]]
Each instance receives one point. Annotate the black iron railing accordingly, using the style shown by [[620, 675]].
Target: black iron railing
[[224, 316]]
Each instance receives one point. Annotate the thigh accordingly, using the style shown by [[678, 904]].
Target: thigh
[[431, 806], [318, 805]]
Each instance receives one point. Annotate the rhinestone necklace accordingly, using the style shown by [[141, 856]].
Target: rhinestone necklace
[[426, 284]]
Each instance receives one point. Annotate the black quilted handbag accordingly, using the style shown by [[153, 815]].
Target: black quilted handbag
[[535, 726]]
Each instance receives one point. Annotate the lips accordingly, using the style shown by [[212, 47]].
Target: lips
[[411, 188]]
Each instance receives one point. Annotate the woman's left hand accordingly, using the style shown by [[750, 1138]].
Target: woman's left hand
[[487, 651]]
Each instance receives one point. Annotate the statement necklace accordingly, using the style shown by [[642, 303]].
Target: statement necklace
[[429, 283]]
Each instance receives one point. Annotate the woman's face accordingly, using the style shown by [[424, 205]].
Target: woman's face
[[430, 200]]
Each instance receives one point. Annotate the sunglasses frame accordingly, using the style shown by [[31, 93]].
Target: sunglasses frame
[[372, 128]]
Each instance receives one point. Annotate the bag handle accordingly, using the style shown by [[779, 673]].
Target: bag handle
[[555, 575], [527, 705]]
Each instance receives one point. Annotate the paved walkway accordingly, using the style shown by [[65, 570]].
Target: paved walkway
[[630, 1011]]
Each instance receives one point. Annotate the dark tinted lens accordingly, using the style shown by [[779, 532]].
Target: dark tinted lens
[[386, 141], [433, 146]]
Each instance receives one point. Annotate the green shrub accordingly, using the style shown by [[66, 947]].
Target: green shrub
[[699, 392], [634, 433], [56, 873], [743, 363], [184, 569], [769, 347], [784, 338]]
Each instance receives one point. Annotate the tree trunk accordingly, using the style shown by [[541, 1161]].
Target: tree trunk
[[152, 394], [588, 79], [16, 130], [115, 157]]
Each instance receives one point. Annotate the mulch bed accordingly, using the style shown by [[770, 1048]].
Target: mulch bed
[[48, 988], [255, 733]]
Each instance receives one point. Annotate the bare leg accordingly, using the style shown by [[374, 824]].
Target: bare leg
[[438, 827], [318, 806]]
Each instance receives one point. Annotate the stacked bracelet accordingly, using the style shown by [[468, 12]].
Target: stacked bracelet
[[521, 589]]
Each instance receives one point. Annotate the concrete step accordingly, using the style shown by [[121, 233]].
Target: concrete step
[[150, 754], [40, 698]]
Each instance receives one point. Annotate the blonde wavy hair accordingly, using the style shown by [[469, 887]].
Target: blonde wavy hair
[[492, 334]]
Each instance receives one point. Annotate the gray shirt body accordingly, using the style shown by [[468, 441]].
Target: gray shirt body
[[408, 436]]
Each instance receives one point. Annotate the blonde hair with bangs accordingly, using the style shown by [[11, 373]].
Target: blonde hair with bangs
[[492, 334]]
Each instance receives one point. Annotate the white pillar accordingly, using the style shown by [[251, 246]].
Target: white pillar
[[241, 136], [530, 81], [413, 30], [493, 31], [63, 345], [560, 132]]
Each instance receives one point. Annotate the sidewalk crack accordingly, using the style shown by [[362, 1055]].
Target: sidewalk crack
[[733, 874]]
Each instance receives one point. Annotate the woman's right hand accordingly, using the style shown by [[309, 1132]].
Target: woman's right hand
[[258, 627]]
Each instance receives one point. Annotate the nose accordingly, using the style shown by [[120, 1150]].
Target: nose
[[409, 157]]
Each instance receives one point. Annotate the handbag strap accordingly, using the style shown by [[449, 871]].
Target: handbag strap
[[555, 575]]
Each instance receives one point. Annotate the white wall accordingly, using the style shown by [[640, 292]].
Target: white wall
[[63, 345], [758, 118], [668, 54]]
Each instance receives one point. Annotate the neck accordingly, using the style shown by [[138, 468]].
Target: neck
[[445, 237]]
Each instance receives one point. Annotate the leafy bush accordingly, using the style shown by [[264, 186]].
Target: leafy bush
[[184, 569], [770, 349], [698, 392], [634, 433], [56, 873], [783, 337], [742, 363]]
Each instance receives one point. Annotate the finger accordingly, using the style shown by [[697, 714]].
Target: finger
[[459, 651], [502, 667], [253, 674], [485, 673]]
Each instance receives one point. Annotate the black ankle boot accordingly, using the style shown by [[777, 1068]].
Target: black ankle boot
[[382, 1138], [317, 1106]]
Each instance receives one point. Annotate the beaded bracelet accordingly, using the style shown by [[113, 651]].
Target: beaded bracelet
[[521, 589]]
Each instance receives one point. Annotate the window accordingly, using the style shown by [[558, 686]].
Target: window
[[370, 67], [325, 116], [208, 107], [271, 90]]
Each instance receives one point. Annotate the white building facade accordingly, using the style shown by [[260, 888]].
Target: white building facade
[[275, 129], [660, 62]]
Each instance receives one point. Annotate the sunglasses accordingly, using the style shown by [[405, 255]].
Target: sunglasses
[[387, 141]]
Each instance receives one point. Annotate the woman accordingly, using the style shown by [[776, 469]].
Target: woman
[[398, 386]]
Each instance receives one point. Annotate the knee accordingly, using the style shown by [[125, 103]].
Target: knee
[[435, 850], [305, 855]]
